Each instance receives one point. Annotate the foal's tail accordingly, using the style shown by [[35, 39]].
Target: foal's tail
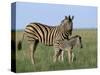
[[19, 46]]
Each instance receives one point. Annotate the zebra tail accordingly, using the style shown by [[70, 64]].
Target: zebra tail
[[20, 43]]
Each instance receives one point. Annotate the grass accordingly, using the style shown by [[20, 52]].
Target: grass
[[85, 58]]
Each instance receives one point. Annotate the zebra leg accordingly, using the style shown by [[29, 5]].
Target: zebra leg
[[57, 52], [56, 55], [62, 56], [33, 46], [72, 56], [31, 53], [69, 56], [59, 57]]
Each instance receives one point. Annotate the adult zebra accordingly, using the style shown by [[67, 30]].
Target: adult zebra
[[37, 32]]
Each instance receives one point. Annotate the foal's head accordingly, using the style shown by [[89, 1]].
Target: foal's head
[[76, 41]]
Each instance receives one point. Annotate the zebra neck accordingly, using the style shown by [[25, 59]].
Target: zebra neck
[[65, 35]]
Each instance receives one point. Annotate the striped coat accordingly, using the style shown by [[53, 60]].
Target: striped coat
[[47, 35], [68, 45]]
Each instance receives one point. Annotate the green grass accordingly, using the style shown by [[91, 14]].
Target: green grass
[[85, 58]]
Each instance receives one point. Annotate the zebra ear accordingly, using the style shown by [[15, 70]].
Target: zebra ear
[[69, 17], [72, 17], [66, 17]]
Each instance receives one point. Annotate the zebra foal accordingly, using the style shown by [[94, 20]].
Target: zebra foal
[[67, 45], [47, 35]]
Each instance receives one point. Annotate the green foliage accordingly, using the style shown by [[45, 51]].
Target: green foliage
[[85, 57]]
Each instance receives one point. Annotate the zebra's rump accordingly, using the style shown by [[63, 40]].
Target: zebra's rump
[[40, 32]]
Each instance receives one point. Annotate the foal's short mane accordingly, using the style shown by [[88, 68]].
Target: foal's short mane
[[76, 36]]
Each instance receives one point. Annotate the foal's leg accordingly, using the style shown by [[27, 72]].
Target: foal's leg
[[33, 46], [62, 56], [72, 56], [69, 56]]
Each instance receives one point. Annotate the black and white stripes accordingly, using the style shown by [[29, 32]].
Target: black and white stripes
[[48, 34]]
